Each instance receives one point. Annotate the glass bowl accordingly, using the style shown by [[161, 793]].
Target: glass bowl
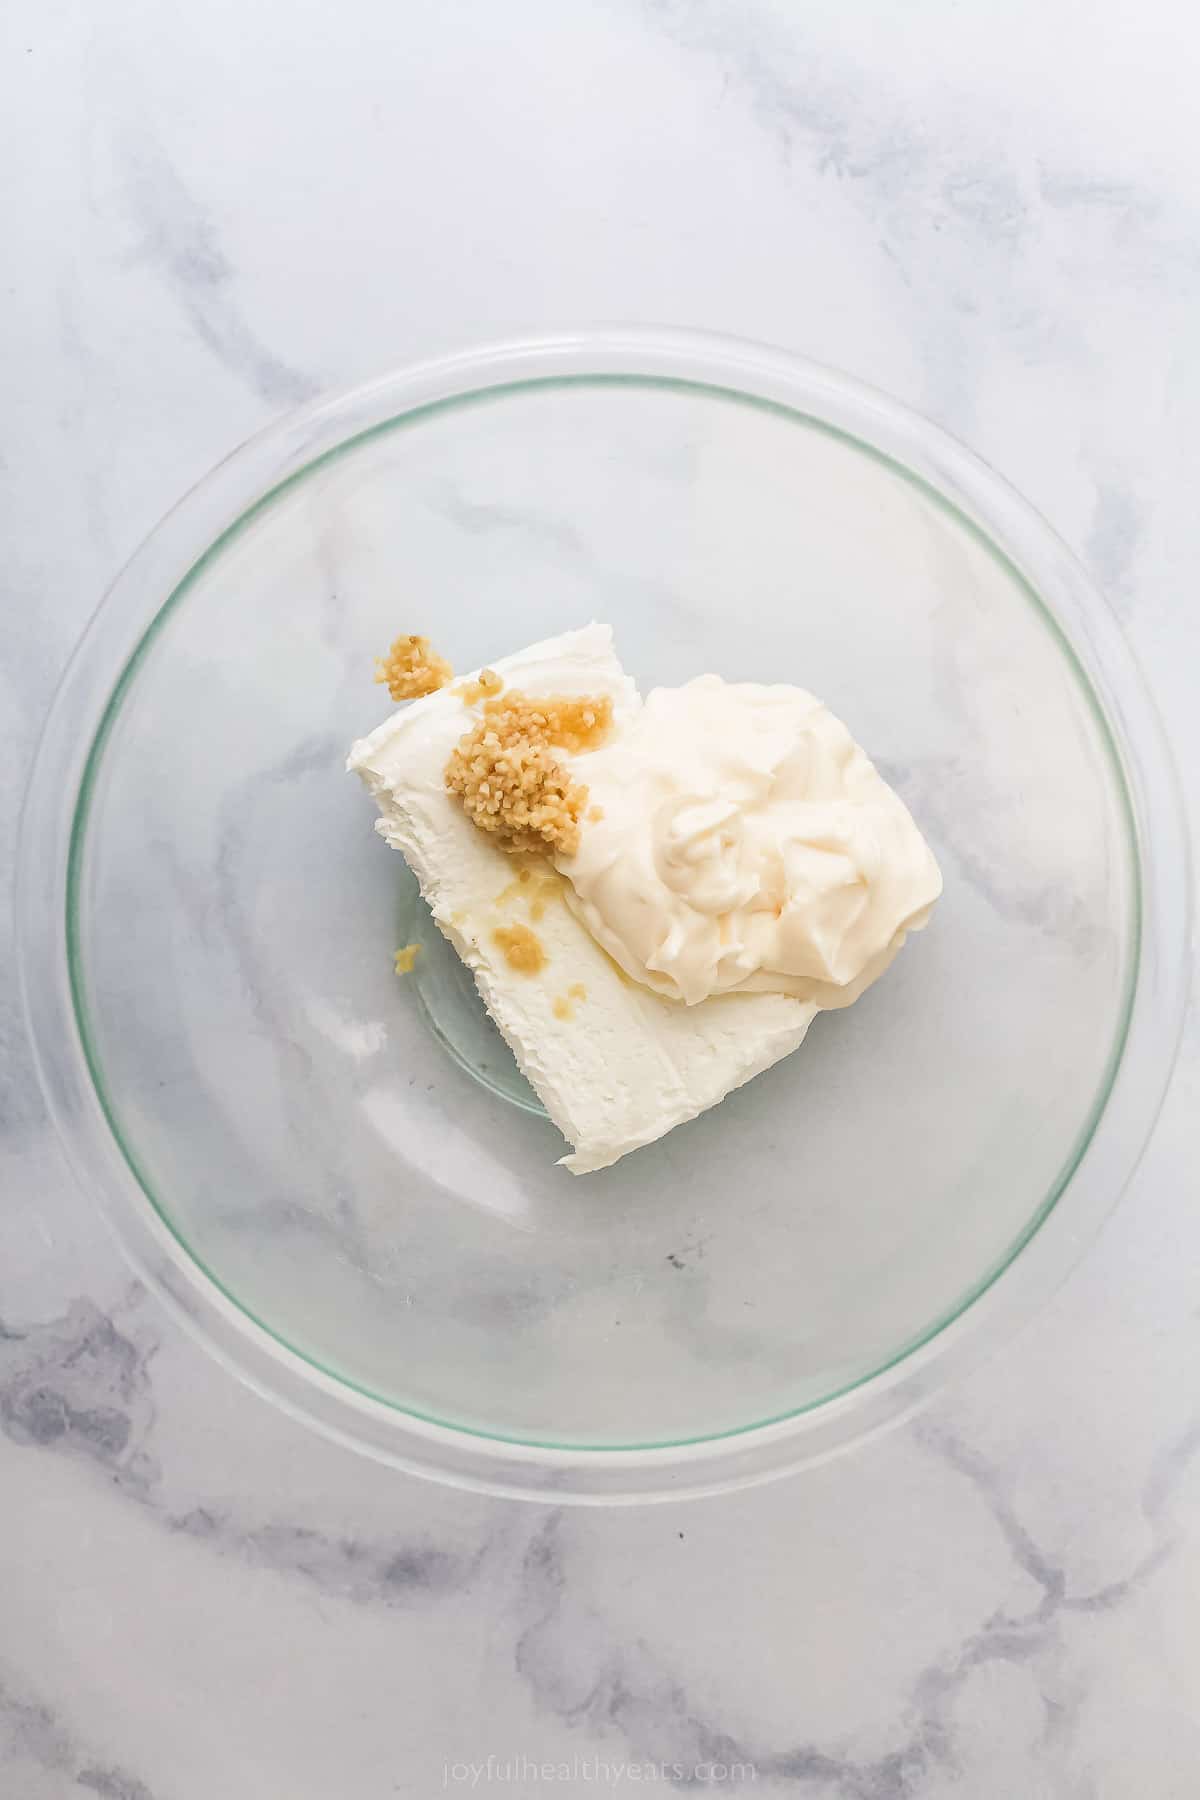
[[339, 1178]]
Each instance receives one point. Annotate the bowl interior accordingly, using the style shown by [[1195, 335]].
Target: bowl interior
[[294, 1111]]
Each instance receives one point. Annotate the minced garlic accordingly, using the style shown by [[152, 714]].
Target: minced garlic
[[412, 669], [486, 685], [523, 949], [511, 782]]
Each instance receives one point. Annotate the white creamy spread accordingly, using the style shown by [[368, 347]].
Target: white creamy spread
[[629, 1064], [738, 840]]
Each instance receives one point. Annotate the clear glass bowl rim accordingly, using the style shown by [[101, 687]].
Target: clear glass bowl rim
[[1015, 531]]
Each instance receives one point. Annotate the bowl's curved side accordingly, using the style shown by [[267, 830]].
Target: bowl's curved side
[[47, 866]]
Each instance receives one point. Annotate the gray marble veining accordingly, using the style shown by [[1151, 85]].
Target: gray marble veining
[[996, 219], [179, 244]]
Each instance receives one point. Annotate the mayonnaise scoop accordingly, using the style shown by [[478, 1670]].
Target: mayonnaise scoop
[[737, 840]]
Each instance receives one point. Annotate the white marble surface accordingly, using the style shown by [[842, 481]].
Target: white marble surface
[[220, 209]]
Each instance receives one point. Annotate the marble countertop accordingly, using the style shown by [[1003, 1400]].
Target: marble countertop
[[222, 209]]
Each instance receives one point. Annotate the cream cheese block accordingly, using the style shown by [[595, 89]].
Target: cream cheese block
[[615, 1064]]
